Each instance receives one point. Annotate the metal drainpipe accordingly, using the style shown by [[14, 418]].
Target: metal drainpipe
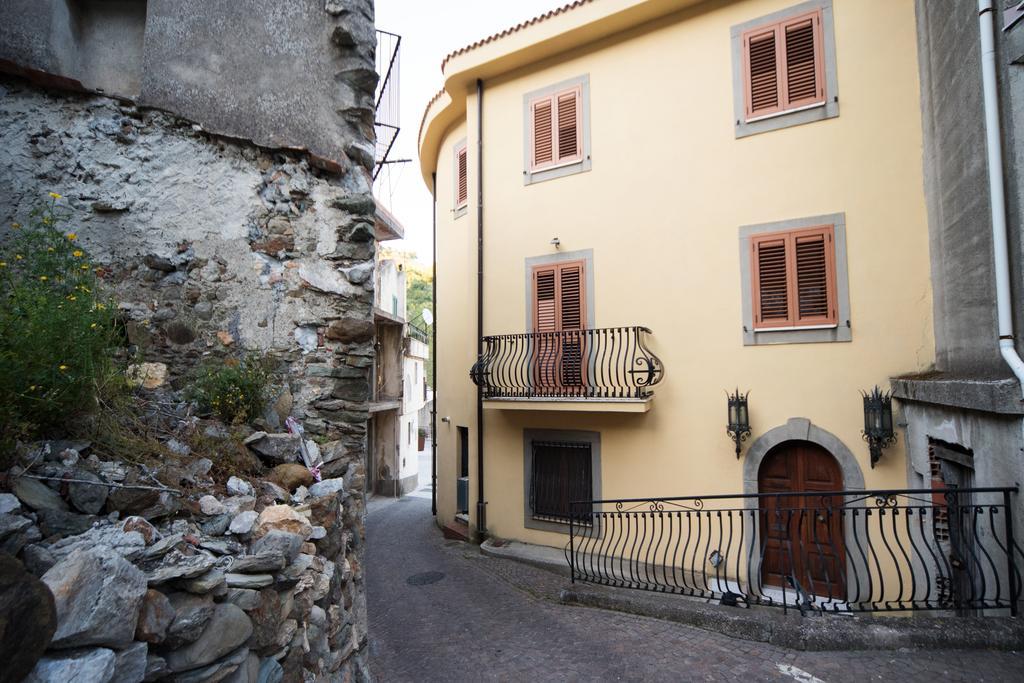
[[481, 504], [433, 355], [997, 197]]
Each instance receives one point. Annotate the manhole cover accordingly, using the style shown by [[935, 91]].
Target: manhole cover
[[424, 578]]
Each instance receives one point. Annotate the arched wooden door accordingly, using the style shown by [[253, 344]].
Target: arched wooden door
[[802, 535]]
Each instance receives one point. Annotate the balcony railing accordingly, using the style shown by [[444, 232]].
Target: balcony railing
[[844, 551], [606, 363], [418, 333]]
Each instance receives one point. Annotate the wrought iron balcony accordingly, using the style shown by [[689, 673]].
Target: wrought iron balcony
[[611, 363], [947, 550]]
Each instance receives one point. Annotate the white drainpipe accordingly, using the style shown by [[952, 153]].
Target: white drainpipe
[[997, 197]]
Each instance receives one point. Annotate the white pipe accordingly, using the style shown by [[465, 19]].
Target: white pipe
[[997, 194]]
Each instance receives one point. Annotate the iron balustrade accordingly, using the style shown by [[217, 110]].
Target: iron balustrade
[[843, 551], [603, 363], [418, 333]]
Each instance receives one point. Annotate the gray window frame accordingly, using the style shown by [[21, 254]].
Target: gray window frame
[[459, 212], [842, 331], [531, 435], [786, 119], [581, 166]]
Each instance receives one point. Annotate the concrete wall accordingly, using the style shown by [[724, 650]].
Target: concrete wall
[[956, 182], [662, 214]]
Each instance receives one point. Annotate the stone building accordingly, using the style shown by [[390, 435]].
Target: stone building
[[216, 158], [965, 420]]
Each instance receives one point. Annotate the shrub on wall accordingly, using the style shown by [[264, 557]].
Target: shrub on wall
[[56, 330], [233, 390]]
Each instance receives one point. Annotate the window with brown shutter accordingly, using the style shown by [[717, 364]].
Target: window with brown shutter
[[558, 308], [793, 278], [784, 66], [556, 129], [461, 178]]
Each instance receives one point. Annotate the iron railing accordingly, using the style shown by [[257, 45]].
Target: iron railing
[[418, 333], [386, 102], [844, 551], [604, 363]]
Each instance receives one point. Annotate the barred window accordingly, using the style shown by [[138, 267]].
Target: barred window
[[562, 473]]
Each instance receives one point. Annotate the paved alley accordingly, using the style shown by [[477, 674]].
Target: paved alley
[[441, 612]]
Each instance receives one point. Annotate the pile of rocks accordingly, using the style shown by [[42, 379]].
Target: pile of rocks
[[260, 582]]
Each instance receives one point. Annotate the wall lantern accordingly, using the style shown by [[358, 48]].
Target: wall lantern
[[739, 419], [878, 430]]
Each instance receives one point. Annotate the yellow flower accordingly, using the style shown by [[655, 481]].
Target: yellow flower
[[46, 220], [77, 253], [32, 388], [49, 249], [62, 368], [72, 297], [17, 257], [3, 264], [100, 307], [43, 278], [15, 225], [72, 236], [93, 326], [85, 266], [55, 195]]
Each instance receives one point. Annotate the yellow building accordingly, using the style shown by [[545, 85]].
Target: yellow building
[[644, 204]]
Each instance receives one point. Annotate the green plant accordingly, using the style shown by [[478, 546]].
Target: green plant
[[234, 390], [56, 330]]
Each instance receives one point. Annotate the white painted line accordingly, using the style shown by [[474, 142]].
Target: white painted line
[[798, 674]]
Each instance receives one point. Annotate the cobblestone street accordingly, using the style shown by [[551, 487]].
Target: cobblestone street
[[439, 611]]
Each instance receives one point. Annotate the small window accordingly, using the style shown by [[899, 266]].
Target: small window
[[556, 129], [461, 176], [784, 69], [561, 475], [784, 66], [794, 280]]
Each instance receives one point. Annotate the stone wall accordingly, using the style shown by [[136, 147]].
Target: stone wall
[[262, 582]]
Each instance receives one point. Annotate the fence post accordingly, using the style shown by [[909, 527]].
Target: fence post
[[1010, 546], [572, 549]]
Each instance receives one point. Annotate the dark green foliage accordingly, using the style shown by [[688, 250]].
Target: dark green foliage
[[233, 390]]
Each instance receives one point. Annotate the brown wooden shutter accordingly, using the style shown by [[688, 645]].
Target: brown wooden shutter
[[571, 297], [569, 125], [463, 173], [559, 296], [804, 81], [545, 308], [763, 72], [770, 268], [543, 133], [793, 278], [815, 276]]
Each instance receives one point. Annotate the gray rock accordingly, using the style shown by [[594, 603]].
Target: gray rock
[[201, 468], [228, 629], [243, 597], [164, 545], [191, 615], [274, 491], [248, 672], [300, 495], [9, 503], [239, 487], [38, 559], [243, 522], [216, 525], [275, 449], [222, 546], [237, 504], [56, 522], [266, 561], [128, 544], [203, 310], [111, 471], [318, 533], [94, 664], [156, 667], [327, 487], [177, 447], [248, 580], [210, 506], [271, 671], [26, 602], [220, 670], [88, 498], [210, 582], [176, 565], [37, 495], [296, 569], [279, 542], [13, 535], [130, 664], [97, 596]]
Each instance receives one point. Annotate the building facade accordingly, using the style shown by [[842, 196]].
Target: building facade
[[645, 206]]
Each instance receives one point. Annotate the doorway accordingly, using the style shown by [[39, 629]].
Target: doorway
[[802, 535], [462, 481]]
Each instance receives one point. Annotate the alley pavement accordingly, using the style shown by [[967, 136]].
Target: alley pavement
[[440, 611]]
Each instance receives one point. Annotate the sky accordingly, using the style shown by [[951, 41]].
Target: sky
[[430, 30]]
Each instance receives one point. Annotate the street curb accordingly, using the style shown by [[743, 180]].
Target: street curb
[[818, 632], [535, 556]]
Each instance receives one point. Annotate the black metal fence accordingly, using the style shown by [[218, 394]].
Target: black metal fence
[[386, 100], [845, 551], [604, 363], [418, 333]]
